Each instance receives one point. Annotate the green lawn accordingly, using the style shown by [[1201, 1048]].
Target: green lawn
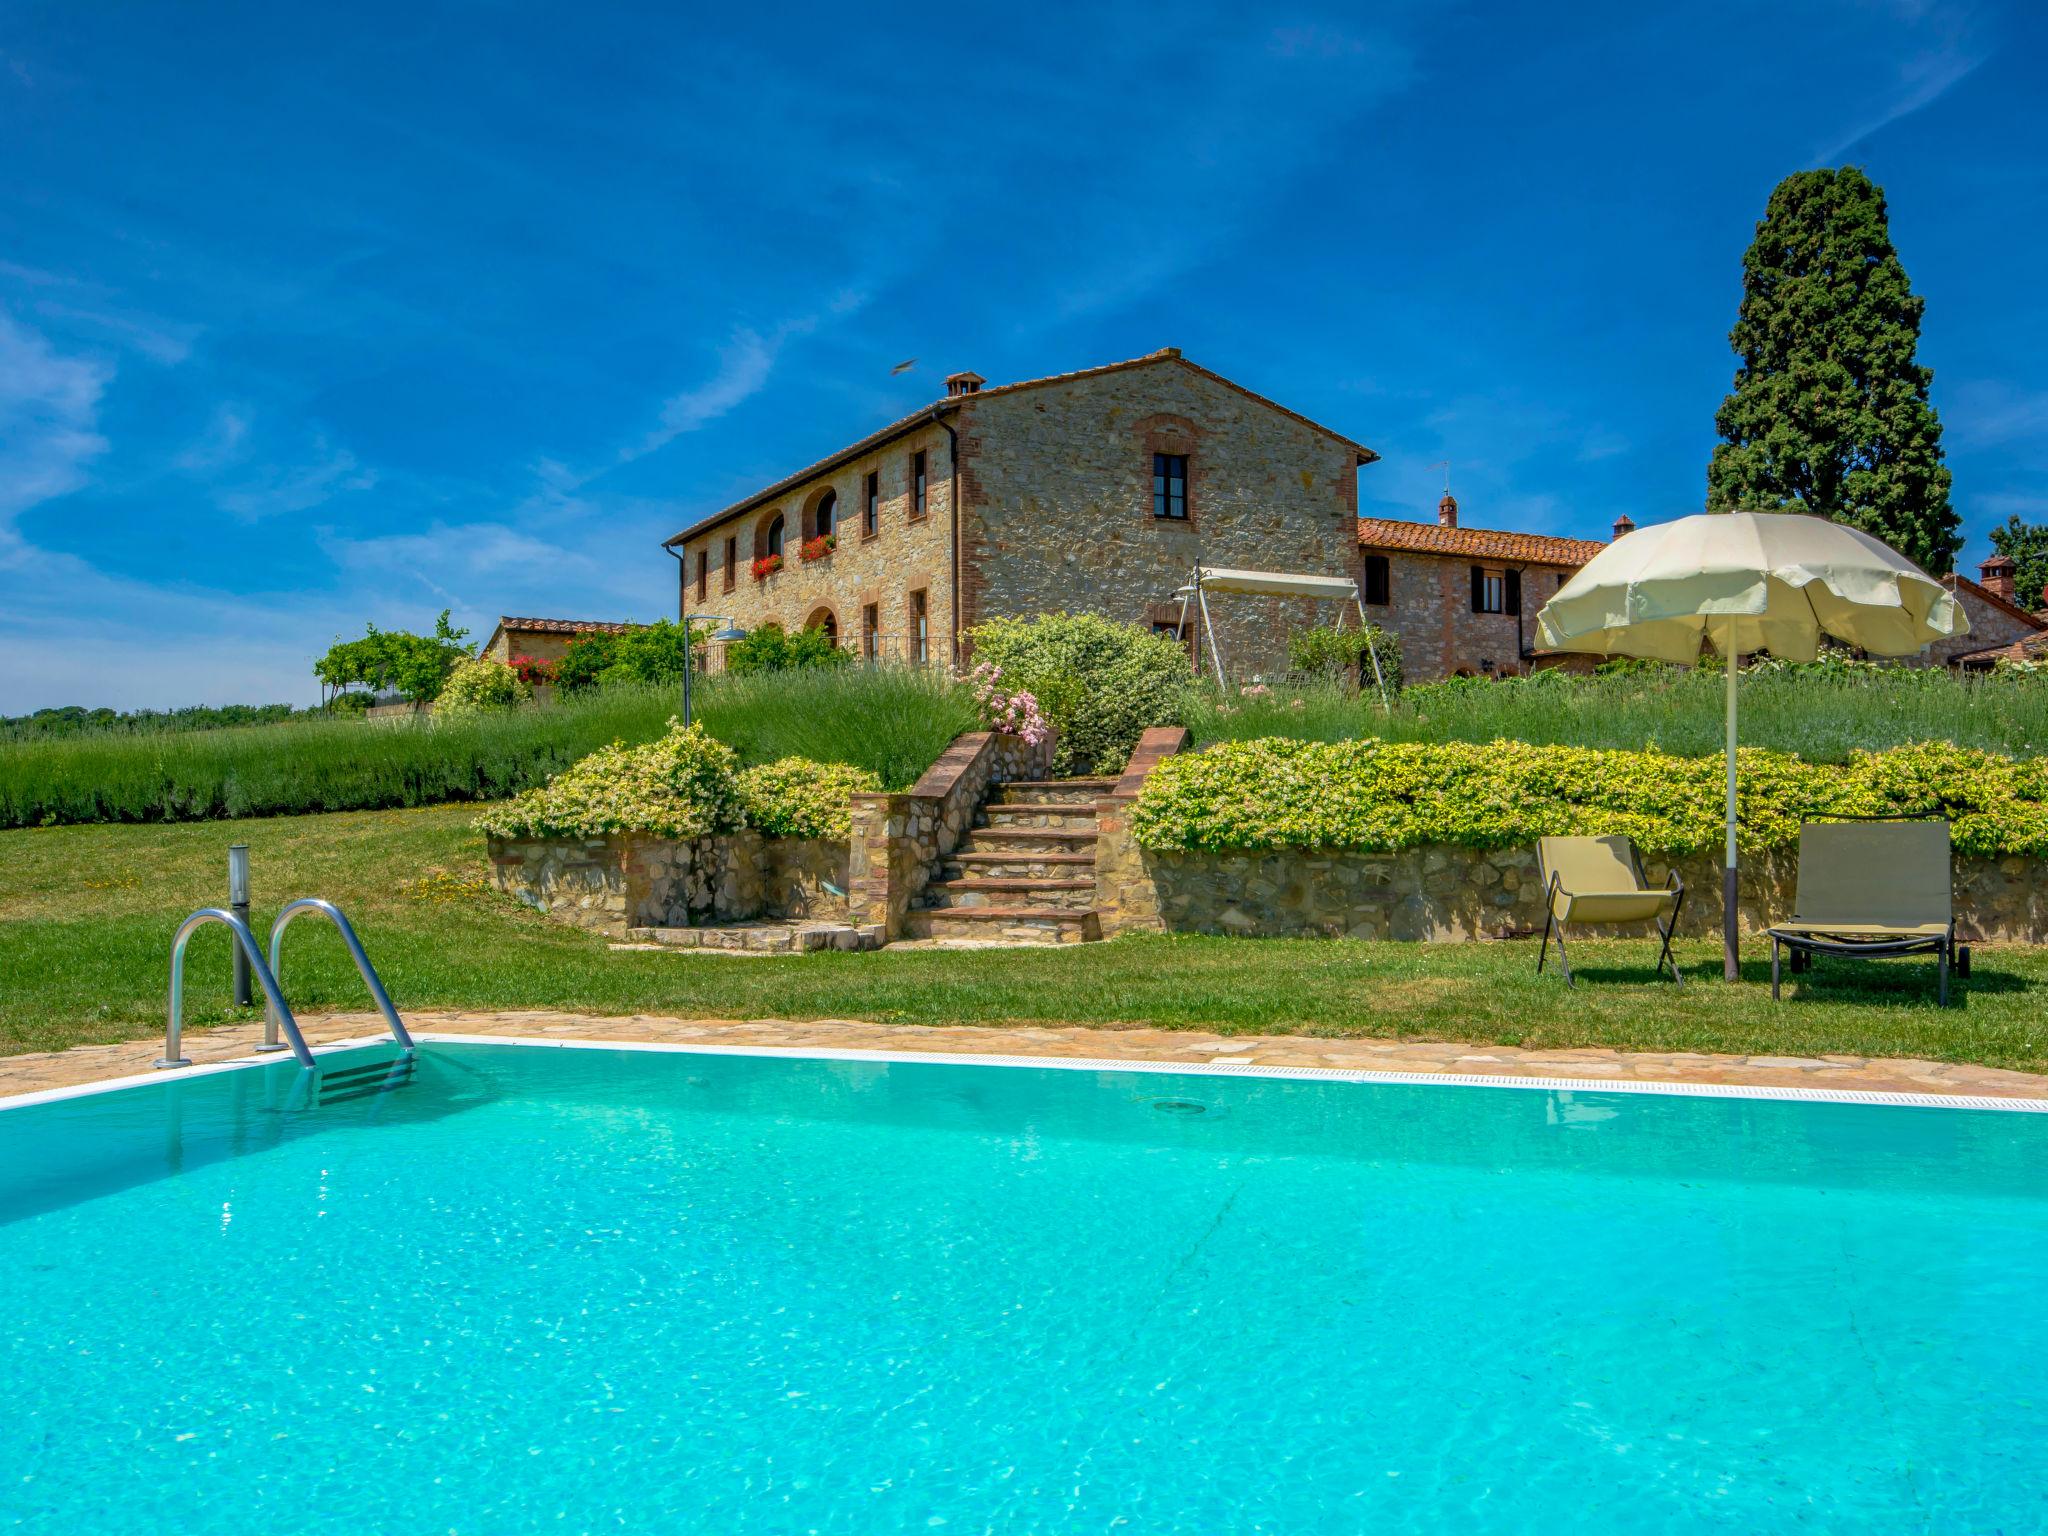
[[86, 915]]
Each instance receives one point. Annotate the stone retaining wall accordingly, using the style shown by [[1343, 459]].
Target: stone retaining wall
[[1452, 893], [899, 840], [630, 880]]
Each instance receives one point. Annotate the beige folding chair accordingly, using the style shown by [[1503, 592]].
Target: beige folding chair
[[1871, 889], [1600, 880]]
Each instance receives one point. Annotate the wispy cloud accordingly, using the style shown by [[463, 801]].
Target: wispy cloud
[[49, 422], [1926, 74], [1984, 413], [279, 489], [221, 444], [744, 364]]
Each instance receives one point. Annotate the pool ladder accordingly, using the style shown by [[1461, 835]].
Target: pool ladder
[[276, 1012]]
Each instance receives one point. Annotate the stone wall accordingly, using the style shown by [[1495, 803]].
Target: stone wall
[[1056, 503], [1451, 893], [900, 839], [907, 553], [611, 884]]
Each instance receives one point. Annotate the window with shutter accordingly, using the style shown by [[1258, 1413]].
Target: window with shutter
[[1489, 590]]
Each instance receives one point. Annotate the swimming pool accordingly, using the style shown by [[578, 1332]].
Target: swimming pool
[[612, 1289]]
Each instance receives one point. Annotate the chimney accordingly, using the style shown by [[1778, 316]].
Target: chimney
[[1447, 511], [964, 384], [1995, 575], [1623, 525]]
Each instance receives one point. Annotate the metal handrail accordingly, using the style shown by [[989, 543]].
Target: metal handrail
[[174, 1032], [368, 971]]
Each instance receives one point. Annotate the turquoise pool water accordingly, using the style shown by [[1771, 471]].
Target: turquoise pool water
[[595, 1290]]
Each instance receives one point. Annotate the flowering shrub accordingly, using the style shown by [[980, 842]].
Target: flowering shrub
[[531, 670], [1002, 710], [818, 548], [687, 784], [767, 566], [682, 785], [799, 798], [1273, 792], [1099, 684], [479, 685]]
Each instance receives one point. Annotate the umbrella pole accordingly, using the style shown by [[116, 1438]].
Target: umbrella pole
[[1731, 947]]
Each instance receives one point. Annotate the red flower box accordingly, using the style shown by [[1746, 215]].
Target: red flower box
[[820, 547], [767, 566]]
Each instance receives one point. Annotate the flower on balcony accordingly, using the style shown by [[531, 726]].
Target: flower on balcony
[[767, 566], [820, 547]]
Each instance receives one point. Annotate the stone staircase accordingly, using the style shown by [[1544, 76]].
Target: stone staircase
[[1025, 874]]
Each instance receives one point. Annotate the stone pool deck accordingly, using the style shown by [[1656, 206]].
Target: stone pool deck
[[93, 1063]]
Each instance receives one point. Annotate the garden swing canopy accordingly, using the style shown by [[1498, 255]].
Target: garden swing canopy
[[1210, 578], [1214, 578]]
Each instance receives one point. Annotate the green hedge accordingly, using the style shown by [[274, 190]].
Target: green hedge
[[1377, 795], [687, 784]]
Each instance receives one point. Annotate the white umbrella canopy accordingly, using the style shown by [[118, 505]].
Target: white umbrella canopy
[[1747, 581]]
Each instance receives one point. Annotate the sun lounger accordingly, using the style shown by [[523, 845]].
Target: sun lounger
[[1600, 880], [1871, 889]]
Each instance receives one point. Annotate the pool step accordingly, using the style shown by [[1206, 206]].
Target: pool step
[[366, 1081]]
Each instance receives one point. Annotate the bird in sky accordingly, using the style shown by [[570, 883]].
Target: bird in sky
[[905, 366]]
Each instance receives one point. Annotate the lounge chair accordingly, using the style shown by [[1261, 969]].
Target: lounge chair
[[1870, 889], [1600, 880]]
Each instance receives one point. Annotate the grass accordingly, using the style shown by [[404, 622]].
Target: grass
[[1821, 716], [895, 721], [86, 915]]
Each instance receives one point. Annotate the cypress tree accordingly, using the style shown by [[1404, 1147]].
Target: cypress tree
[[1829, 413]]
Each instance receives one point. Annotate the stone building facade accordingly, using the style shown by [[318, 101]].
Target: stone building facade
[[2000, 625], [1463, 601], [1096, 492], [543, 639]]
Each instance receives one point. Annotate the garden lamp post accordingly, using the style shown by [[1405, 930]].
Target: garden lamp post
[[726, 635]]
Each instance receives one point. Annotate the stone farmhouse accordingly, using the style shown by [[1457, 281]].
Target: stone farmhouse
[[1096, 491]]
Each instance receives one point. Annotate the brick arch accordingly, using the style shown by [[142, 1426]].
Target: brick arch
[[816, 504], [764, 527], [822, 617]]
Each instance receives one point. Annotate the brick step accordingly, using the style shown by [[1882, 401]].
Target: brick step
[[1029, 840], [1022, 925], [1039, 815], [1017, 866], [1052, 791], [1067, 895]]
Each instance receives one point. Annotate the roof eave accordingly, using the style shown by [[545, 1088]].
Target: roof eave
[[902, 427]]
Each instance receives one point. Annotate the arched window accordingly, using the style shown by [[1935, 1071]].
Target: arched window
[[826, 515], [773, 538], [823, 618]]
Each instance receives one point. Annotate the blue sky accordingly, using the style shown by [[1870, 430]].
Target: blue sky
[[313, 315]]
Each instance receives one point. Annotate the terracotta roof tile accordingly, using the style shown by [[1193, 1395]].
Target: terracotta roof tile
[[1475, 543], [953, 403], [2027, 648]]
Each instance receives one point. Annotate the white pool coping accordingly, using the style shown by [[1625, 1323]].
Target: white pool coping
[[1218, 1068]]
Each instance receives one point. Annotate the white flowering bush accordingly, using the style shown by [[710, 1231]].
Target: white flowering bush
[[683, 785], [479, 685], [796, 797]]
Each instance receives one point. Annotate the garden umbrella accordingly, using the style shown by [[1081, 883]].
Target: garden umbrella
[[1746, 581]]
